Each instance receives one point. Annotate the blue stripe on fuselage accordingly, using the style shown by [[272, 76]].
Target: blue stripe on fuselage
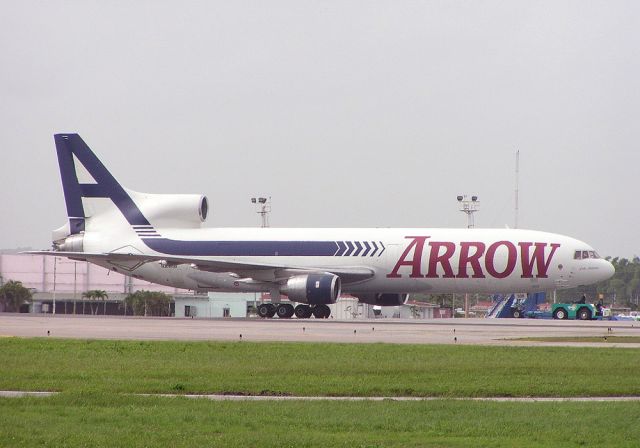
[[242, 248]]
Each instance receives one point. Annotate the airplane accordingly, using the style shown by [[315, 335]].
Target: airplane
[[160, 238]]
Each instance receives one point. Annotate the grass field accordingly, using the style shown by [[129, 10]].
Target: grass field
[[316, 369], [96, 378], [103, 420]]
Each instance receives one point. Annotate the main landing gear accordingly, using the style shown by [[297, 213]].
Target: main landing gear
[[286, 311]]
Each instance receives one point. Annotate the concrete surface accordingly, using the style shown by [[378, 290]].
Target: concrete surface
[[437, 331], [219, 397]]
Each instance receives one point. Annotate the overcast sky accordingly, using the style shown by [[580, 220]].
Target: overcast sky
[[346, 113]]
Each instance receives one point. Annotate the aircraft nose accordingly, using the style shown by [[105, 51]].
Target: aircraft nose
[[607, 270]]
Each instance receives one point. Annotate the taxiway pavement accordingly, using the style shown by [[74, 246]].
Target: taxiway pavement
[[436, 331]]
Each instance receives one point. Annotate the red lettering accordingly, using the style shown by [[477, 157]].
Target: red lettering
[[416, 262], [537, 258], [489, 259], [436, 258], [473, 260]]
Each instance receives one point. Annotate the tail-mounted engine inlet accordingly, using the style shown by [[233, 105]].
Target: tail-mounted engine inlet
[[72, 243]]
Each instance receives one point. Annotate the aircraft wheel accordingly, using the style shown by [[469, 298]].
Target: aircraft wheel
[[560, 313], [263, 310], [321, 311], [284, 311], [303, 311], [266, 310], [584, 314]]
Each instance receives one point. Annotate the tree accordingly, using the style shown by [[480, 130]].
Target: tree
[[13, 295], [148, 303], [634, 288], [94, 296]]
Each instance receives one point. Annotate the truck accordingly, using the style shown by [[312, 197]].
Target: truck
[[580, 311]]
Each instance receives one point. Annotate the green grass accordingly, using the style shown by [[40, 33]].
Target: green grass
[[100, 420], [587, 339], [96, 408], [315, 369]]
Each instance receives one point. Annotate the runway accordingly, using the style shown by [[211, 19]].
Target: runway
[[436, 331]]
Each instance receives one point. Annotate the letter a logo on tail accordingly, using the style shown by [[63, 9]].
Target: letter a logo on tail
[[105, 186]]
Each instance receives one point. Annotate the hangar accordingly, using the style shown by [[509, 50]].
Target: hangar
[[214, 305]]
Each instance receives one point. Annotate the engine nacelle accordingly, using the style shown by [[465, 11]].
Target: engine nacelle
[[173, 210], [314, 289], [72, 243], [383, 299]]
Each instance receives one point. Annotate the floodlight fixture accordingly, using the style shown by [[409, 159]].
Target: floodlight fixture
[[263, 205], [469, 207]]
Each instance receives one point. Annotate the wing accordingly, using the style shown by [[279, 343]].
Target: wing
[[257, 271]]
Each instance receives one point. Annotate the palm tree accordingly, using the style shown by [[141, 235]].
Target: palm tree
[[95, 295], [148, 303], [13, 295]]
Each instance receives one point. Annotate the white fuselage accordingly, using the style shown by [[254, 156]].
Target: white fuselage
[[404, 260]]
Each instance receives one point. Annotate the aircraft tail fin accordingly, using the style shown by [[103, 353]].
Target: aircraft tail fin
[[84, 176]]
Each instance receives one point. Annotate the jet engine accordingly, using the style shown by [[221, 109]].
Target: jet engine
[[314, 289], [383, 299], [72, 243], [173, 210]]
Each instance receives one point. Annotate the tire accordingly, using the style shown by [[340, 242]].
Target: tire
[[517, 314], [266, 310], [303, 311], [584, 313], [284, 311], [263, 310], [321, 311], [560, 313]]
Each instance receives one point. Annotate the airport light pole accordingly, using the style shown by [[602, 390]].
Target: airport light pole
[[75, 284], [55, 264], [264, 207], [469, 207], [453, 305]]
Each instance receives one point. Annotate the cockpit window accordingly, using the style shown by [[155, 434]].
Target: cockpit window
[[585, 255]]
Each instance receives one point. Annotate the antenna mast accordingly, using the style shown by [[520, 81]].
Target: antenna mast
[[517, 185]]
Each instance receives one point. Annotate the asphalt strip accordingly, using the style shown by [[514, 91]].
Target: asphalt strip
[[221, 397]]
